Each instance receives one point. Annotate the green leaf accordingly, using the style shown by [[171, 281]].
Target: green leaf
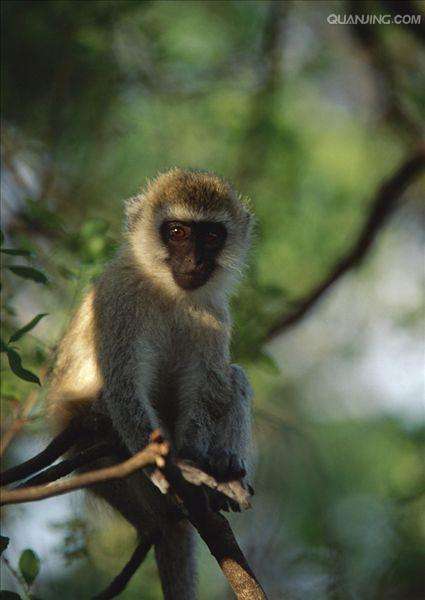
[[3, 346], [4, 542], [15, 252], [15, 363], [18, 334], [29, 565], [7, 595], [1, 237], [29, 273]]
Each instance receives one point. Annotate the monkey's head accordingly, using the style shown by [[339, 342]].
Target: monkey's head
[[189, 229]]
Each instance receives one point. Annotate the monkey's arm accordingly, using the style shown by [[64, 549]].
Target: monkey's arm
[[125, 395], [125, 359]]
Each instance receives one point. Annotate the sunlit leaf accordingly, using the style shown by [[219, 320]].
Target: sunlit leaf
[[29, 565], [29, 273], [15, 363], [18, 334]]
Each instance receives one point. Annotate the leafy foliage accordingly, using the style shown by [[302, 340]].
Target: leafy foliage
[[28, 273], [15, 363], [23, 330], [29, 565]]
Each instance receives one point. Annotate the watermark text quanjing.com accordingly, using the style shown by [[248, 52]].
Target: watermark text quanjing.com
[[373, 19]]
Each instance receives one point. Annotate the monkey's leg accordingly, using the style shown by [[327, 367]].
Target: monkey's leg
[[175, 557]]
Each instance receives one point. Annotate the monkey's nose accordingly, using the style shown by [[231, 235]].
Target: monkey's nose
[[194, 262], [190, 262]]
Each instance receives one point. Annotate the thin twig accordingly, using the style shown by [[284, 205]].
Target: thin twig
[[65, 467], [183, 479], [383, 205], [153, 454]]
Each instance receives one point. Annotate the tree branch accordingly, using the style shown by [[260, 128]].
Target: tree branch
[[184, 479], [216, 532], [383, 205], [66, 467], [153, 454]]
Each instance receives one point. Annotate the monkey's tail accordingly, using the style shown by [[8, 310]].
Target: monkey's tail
[[121, 580], [175, 557]]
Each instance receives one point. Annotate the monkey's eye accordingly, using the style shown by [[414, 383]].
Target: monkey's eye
[[178, 233]]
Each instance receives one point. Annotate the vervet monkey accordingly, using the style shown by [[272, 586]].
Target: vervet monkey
[[149, 346]]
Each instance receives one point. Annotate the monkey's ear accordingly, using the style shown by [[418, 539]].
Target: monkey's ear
[[132, 209]]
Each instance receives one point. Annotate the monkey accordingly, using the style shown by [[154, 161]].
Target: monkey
[[149, 347]]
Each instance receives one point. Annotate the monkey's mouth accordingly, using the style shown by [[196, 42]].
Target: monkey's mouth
[[191, 280]]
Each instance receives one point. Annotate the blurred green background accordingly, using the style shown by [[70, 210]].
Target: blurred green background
[[306, 119]]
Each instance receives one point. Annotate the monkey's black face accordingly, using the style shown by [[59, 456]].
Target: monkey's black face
[[193, 247]]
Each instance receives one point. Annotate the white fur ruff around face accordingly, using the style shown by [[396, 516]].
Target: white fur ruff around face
[[145, 214]]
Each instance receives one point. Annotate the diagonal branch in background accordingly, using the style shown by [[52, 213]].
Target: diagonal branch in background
[[383, 206]]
